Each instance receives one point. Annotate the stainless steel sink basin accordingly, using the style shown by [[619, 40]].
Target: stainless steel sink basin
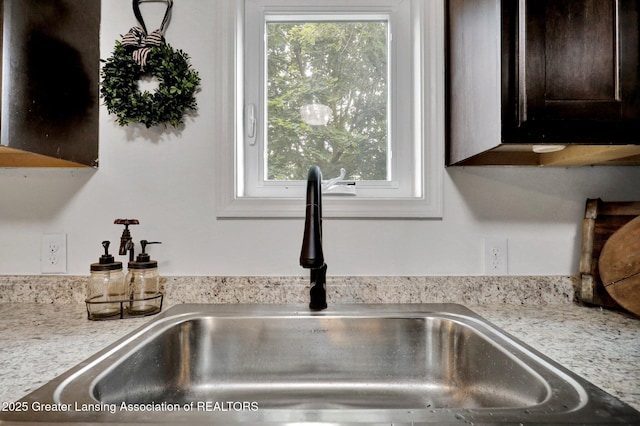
[[388, 364]]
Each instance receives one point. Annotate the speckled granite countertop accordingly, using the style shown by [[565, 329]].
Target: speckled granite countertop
[[44, 329], [41, 341]]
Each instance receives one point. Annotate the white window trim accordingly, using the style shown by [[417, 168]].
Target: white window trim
[[229, 124]]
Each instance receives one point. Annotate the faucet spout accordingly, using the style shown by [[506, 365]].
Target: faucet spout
[[311, 255], [125, 239]]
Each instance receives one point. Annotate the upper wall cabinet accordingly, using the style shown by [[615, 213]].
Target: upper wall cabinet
[[50, 83], [535, 82]]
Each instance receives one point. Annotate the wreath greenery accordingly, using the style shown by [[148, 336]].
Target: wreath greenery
[[166, 104]]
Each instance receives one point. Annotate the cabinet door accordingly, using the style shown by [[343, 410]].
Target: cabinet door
[[578, 71]]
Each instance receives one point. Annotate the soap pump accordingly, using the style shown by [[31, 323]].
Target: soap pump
[[106, 289], [143, 283]]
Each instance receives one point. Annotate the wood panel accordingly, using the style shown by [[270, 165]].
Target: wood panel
[[576, 67], [601, 221], [582, 71], [581, 50]]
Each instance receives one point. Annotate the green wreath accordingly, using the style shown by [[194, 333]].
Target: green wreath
[[168, 103]]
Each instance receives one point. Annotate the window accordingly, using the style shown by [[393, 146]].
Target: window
[[351, 84], [326, 97]]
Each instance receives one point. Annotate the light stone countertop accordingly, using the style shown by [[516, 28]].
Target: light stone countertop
[[41, 341]]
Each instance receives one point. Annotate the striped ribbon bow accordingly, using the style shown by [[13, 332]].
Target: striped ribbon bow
[[142, 43]]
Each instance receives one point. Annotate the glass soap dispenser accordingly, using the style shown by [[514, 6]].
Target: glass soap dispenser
[[106, 290], [143, 284]]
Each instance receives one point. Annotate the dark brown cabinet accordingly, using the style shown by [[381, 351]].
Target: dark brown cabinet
[[535, 82], [50, 83]]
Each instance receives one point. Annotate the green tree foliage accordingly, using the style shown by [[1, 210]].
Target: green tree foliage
[[339, 64]]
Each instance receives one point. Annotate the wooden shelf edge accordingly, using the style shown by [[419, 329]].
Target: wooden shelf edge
[[580, 155], [571, 156], [15, 158]]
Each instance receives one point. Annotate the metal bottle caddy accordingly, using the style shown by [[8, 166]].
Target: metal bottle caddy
[[122, 308], [110, 295]]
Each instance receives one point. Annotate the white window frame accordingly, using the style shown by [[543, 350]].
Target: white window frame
[[400, 161], [427, 120]]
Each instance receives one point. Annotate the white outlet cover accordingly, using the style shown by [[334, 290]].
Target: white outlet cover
[[53, 254], [496, 256]]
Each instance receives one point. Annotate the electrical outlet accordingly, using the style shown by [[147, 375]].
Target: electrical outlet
[[496, 256], [53, 257]]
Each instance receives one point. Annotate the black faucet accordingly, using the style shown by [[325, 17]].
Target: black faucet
[[311, 255]]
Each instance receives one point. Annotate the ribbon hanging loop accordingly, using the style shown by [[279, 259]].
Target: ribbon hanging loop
[[140, 40]]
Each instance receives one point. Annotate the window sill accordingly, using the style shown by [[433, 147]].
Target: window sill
[[333, 207]]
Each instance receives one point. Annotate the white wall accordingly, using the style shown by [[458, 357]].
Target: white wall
[[165, 180]]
